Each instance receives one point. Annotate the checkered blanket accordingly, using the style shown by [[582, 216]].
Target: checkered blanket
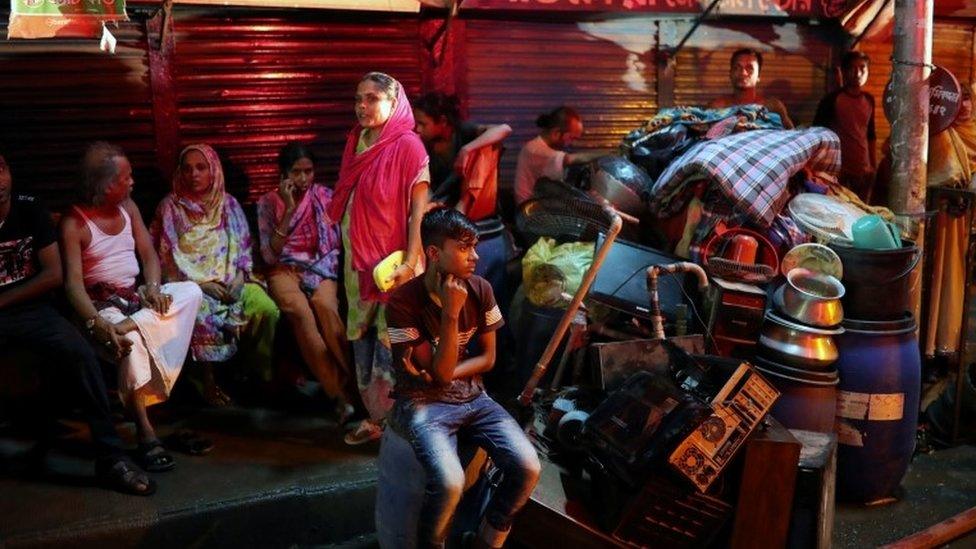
[[751, 169]]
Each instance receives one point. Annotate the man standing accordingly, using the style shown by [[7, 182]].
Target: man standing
[[744, 69], [30, 269], [849, 112]]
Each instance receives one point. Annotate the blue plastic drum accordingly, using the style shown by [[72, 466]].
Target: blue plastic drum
[[400, 492], [877, 406]]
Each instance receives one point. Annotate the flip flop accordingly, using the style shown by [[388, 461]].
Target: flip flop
[[366, 431], [125, 477], [154, 458], [190, 443]]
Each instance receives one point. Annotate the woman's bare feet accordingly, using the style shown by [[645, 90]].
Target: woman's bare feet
[[212, 393]]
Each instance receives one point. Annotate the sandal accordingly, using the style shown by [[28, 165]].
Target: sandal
[[154, 458], [125, 477], [190, 443], [366, 431]]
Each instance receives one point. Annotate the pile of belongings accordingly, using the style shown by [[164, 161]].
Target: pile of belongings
[[730, 167], [642, 432]]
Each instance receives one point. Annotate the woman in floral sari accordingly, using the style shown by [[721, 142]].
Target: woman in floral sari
[[202, 236], [300, 244], [379, 201]]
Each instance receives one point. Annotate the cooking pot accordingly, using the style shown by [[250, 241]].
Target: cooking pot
[[810, 298], [622, 183], [795, 345]]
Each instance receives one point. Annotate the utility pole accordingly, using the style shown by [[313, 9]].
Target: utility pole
[[911, 62]]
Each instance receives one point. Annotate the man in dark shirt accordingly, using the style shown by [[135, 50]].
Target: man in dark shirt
[[849, 112], [440, 395], [30, 269]]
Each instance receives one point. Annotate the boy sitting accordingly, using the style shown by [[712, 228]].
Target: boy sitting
[[439, 390]]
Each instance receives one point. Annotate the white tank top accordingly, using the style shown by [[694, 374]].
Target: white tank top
[[110, 259]]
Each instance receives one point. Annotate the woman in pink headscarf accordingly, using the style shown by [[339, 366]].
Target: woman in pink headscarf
[[379, 202], [202, 236]]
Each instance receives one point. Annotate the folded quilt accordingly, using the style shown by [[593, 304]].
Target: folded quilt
[[752, 169]]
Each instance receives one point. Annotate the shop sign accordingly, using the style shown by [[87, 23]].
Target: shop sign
[[945, 98], [62, 18], [782, 8], [407, 6]]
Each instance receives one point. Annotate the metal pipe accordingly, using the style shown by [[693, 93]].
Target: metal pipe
[[528, 392], [911, 62], [657, 319], [938, 534]]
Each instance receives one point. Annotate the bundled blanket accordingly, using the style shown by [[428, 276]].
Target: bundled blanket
[[750, 169], [737, 118]]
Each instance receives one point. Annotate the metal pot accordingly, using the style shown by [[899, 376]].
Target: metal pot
[[796, 345], [622, 183], [810, 298]]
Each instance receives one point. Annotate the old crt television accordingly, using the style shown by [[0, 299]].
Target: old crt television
[[621, 282]]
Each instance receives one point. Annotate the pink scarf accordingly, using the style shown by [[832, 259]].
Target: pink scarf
[[382, 177]]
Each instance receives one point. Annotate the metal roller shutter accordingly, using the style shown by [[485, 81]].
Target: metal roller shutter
[[952, 47], [518, 70], [795, 61], [56, 96], [249, 82]]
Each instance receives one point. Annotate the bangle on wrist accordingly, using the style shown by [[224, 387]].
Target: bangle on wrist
[[280, 233], [90, 323]]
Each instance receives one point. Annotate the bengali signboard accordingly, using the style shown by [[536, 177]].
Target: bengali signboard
[[62, 18], [780, 8], [407, 6], [945, 98]]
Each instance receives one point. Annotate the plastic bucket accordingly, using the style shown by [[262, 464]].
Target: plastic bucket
[[808, 399], [877, 282], [877, 406]]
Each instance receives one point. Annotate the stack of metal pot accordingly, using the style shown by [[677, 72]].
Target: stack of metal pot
[[797, 348]]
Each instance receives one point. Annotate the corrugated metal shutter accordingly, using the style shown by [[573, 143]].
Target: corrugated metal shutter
[[952, 47], [795, 59], [249, 82], [58, 95], [517, 70]]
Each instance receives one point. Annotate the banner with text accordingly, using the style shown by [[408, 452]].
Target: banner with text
[[62, 18]]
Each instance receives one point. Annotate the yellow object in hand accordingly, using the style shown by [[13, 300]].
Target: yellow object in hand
[[383, 272]]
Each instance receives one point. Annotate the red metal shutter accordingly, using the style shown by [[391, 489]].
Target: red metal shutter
[[248, 82], [795, 61], [517, 70], [56, 96]]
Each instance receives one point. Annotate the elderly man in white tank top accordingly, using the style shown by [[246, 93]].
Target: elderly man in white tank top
[[146, 328]]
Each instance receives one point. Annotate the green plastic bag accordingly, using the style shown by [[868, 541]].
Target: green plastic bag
[[549, 270]]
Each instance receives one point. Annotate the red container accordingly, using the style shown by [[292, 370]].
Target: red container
[[742, 249]]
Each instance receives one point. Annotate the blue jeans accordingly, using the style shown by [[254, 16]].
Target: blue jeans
[[432, 429]]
